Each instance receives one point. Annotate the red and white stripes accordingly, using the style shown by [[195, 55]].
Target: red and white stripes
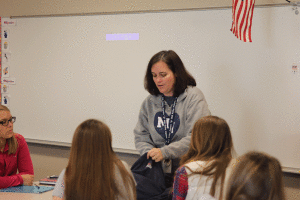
[[242, 14]]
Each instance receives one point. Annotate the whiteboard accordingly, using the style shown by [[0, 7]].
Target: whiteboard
[[66, 72]]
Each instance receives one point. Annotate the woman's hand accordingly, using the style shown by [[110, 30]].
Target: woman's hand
[[27, 179], [155, 154]]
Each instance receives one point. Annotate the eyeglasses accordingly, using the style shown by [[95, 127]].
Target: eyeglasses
[[5, 122]]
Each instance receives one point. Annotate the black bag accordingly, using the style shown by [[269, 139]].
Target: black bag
[[150, 180]]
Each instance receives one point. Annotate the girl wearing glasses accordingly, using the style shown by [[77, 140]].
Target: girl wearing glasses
[[14, 154]]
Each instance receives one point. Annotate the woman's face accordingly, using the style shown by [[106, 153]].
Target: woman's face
[[163, 78], [6, 132]]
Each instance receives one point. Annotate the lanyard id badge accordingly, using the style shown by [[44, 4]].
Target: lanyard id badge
[[167, 163], [168, 130]]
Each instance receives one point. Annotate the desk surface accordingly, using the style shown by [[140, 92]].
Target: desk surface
[[26, 196]]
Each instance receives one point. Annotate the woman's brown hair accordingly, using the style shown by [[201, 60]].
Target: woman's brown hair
[[257, 176], [90, 173], [12, 142], [183, 77], [211, 141]]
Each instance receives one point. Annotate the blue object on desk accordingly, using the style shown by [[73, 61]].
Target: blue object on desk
[[27, 189]]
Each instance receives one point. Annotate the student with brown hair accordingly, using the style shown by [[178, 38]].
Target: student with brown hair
[[205, 167], [14, 154], [257, 176], [94, 171]]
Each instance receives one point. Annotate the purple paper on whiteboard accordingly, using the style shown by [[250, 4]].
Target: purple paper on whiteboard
[[123, 36]]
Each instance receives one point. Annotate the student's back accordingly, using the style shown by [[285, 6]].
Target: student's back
[[94, 171], [199, 185], [206, 166], [124, 194]]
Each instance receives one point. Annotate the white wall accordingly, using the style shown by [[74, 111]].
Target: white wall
[[67, 72]]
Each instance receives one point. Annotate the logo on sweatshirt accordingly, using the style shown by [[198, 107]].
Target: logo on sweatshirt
[[160, 127]]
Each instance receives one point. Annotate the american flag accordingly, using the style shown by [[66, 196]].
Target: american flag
[[242, 13]]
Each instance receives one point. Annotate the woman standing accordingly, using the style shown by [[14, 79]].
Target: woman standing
[[168, 114], [94, 171], [14, 154]]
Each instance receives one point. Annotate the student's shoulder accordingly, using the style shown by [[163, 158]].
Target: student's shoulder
[[197, 165], [233, 163], [19, 138], [191, 166], [125, 164], [121, 162], [230, 167], [181, 171]]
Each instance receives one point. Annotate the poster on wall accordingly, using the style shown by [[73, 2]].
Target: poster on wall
[[6, 33], [6, 45], [6, 57], [5, 100], [4, 88], [6, 22], [5, 70], [9, 81]]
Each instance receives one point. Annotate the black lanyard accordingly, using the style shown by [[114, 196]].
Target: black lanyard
[[168, 131]]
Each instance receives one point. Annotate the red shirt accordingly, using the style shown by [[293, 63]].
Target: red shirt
[[10, 164]]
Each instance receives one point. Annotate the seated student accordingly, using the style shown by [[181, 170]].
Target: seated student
[[257, 176], [94, 171], [205, 167], [14, 154]]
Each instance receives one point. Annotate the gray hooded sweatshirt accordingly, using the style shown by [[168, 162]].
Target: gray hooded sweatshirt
[[149, 131]]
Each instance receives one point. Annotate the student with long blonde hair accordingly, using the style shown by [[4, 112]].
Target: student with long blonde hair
[[257, 176], [15, 163], [94, 171], [205, 167]]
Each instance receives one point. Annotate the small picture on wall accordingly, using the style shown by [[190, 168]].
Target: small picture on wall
[[6, 45], [9, 81], [294, 68], [5, 100], [5, 70], [4, 88], [6, 34], [6, 57]]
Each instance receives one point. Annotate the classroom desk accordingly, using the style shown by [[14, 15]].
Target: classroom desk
[[26, 196]]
